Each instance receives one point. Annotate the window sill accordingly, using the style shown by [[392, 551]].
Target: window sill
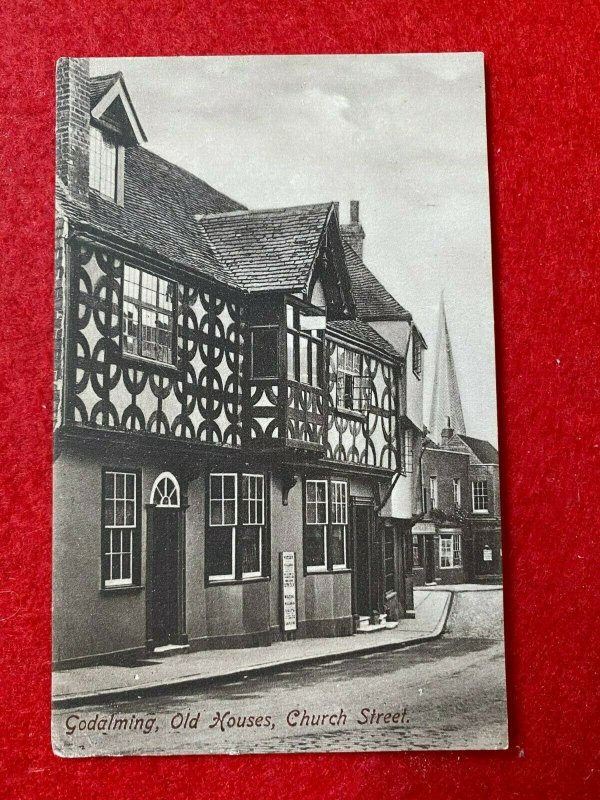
[[482, 513], [121, 589], [359, 416], [236, 581], [326, 571], [141, 361]]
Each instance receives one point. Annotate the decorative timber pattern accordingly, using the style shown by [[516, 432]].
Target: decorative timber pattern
[[370, 440], [196, 398], [305, 416]]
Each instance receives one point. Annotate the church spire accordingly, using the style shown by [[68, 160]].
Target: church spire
[[446, 408]]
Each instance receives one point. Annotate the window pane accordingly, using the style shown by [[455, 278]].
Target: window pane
[[315, 546], [163, 338], [291, 366], [229, 512], [229, 492], [390, 567], [149, 289], [338, 545], [216, 487], [148, 333], [303, 344], [251, 550], [264, 353], [131, 285], [219, 552], [216, 512]]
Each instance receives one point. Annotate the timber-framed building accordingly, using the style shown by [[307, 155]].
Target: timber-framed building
[[231, 385]]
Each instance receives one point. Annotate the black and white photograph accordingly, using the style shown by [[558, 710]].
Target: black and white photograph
[[277, 517]]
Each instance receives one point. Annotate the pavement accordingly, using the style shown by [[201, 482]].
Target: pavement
[[152, 676]]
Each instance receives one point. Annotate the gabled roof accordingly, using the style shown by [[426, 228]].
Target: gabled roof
[[109, 100], [483, 450], [268, 249], [158, 213], [362, 332], [100, 85], [372, 299]]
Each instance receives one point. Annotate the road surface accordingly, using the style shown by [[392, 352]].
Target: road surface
[[447, 694]]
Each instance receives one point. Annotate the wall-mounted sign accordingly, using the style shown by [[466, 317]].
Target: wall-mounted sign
[[487, 553], [287, 571]]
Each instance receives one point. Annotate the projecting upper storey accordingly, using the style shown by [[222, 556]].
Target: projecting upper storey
[[195, 318]]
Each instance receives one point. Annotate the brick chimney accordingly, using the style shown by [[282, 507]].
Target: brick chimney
[[73, 125], [353, 233], [447, 433]]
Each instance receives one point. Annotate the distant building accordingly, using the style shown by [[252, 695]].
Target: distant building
[[459, 536]]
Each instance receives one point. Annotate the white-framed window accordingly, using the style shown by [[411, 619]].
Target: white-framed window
[[450, 550], [237, 526], [120, 528], [326, 525], [456, 491], [479, 491], [353, 381], [253, 524], [165, 491], [408, 451], [317, 519], [148, 315], [339, 524], [103, 163], [433, 491]]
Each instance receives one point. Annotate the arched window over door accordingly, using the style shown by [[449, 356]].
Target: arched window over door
[[165, 492]]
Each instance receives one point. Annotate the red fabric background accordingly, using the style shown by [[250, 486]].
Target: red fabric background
[[541, 80]]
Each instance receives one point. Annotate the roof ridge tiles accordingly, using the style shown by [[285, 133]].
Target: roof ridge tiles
[[258, 211]]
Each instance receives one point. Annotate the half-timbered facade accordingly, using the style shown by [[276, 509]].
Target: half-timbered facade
[[231, 385]]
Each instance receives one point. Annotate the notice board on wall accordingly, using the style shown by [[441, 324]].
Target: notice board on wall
[[289, 605]]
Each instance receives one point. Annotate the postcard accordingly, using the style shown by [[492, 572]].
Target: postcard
[[277, 521]]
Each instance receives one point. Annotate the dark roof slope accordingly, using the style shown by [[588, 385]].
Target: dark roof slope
[[483, 450], [364, 334], [372, 299], [268, 249], [158, 214]]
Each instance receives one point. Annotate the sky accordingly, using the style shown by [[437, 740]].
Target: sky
[[402, 134]]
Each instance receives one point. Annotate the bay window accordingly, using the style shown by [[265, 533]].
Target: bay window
[[304, 347], [236, 534], [326, 525], [148, 315]]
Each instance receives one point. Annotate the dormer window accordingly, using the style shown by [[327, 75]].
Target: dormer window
[[103, 163]]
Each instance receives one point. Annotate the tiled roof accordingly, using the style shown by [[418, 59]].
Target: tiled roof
[[483, 450], [268, 249], [363, 332], [100, 85], [158, 214], [372, 299]]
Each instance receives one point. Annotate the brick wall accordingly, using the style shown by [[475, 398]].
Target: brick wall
[[73, 124]]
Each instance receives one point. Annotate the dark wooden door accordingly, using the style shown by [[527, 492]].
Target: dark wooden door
[[429, 559], [165, 576], [362, 534]]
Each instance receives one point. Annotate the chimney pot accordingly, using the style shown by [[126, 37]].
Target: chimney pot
[[353, 210]]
